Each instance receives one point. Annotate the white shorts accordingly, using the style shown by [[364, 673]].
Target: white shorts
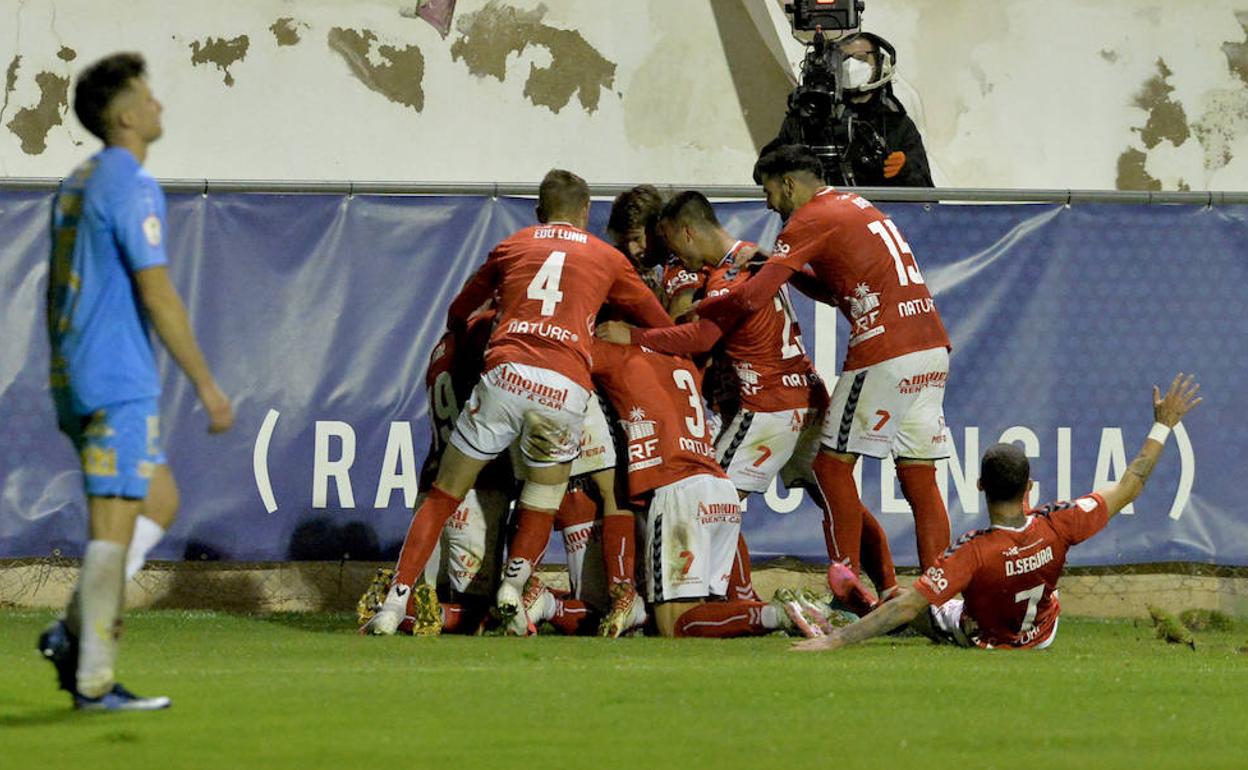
[[597, 447], [893, 408], [516, 401], [947, 625], [757, 445], [691, 538]]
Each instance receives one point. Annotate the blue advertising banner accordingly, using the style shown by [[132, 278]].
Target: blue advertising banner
[[318, 314]]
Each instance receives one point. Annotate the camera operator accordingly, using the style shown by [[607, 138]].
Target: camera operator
[[886, 148]]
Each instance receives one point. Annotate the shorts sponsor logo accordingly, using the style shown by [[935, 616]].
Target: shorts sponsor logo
[[1029, 563], [911, 385], [542, 329], [511, 381], [98, 461], [579, 540], [916, 307], [719, 513]]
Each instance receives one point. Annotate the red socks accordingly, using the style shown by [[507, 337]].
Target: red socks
[[722, 620], [619, 548], [843, 533], [533, 530], [423, 534], [931, 520], [741, 580], [877, 561]]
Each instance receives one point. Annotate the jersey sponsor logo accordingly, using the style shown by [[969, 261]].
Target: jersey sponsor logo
[[1015, 550], [781, 249], [637, 426], [561, 233], [1029, 563], [935, 578], [916, 307], [864, 313], [912, 385], [697, 447], [151, 230], [511, 381], [543, 329], [1086, 504], [719, 513]]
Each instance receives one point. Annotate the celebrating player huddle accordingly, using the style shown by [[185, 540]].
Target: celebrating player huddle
[[635, 394]]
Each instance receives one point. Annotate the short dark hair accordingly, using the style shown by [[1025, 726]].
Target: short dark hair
[[788, 159], [99, 85], [561, 194], [1004, 473], [634, 209], [689, 207]]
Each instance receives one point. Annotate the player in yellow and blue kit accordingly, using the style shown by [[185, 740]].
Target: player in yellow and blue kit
[[107, 286]]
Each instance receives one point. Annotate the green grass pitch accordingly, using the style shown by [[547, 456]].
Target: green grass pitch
[[302, 691]]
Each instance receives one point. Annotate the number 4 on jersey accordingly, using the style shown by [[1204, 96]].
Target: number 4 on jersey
[[545, 285]]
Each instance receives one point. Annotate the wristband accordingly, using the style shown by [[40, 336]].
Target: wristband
[[1159, 433]]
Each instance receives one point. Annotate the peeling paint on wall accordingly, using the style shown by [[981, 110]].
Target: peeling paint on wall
[[66, 54], [1237, 53], [399, 78], [490, 35], [10, 82], [221, 52], [286, 31], [32, 124], [1166, 118], [1132, 174]]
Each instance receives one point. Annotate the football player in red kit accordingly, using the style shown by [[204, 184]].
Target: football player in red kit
[[1008, 574], [839, 249], [549, 281]]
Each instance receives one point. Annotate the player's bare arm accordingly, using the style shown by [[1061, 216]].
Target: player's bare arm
[[168, 315], [891, 614], [1181, 397]]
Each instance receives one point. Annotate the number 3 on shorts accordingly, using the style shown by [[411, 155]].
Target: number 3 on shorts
[[545, 285]]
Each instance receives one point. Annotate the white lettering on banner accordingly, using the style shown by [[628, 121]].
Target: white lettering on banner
[[1111, 459], [399, 469], [323, 468], [260, 460]]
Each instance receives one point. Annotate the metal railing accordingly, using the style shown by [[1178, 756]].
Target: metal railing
[[731, 192]]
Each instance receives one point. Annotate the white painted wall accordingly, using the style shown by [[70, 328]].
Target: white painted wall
[[1010, 93]]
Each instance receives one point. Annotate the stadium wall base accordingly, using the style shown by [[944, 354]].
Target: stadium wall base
[[336, 586]]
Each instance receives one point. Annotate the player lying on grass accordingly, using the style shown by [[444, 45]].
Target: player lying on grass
[[1008, 574]]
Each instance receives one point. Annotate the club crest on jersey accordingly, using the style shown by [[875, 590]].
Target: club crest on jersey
[[864, 312], [642, 441], [151, 230]]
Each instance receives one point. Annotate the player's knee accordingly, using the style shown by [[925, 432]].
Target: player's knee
[[542, 497]]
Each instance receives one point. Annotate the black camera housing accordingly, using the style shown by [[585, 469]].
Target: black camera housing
[[809, 15]]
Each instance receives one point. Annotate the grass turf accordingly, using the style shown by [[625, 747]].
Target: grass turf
[[303, 691]]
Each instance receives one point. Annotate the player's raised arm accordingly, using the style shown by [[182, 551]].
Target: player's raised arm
[[168, 315], [1180, 399]]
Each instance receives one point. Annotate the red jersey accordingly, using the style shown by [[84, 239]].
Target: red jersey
[[550, 281], [860, 256], [659, 402], [765, 348], [1008, 577], [677, 278]]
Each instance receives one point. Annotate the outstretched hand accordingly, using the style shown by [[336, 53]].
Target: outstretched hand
[[1180, 399], [819, 644]]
